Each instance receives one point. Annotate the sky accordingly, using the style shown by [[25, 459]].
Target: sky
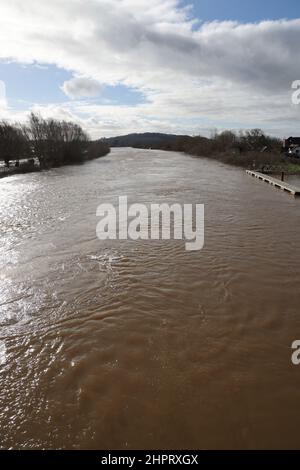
[[179, 66]]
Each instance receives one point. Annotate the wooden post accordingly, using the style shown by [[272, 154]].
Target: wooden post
[[282, 176]]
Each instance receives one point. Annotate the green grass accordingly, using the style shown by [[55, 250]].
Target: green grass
[[291, 168]]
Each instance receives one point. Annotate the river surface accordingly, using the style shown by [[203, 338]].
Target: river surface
[[129, 345]]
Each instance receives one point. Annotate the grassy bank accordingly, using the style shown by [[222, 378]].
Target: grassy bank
[[272, 161]]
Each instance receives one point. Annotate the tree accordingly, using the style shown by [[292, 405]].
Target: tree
[[56, 143], [13, 142]]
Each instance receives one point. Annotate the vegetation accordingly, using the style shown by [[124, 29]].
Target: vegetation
[[53, 143], [13, 142], [246, 149]]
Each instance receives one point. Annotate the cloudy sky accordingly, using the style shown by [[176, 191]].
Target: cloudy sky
[[120, 66]]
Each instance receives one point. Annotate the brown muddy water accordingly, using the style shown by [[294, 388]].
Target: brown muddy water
[[129, 345]]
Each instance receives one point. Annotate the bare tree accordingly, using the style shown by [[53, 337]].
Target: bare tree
[[13, 143], [52, 142]]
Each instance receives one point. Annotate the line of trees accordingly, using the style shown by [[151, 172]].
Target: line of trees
[[54, 143], [238, 148], [13, 142]]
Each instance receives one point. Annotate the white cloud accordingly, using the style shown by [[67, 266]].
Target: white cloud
[[225, 73], [3, 102], [81, 87]]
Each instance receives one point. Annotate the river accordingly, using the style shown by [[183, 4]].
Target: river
[[132, 345]]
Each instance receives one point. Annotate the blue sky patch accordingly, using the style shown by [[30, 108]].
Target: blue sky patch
[[250, 11]]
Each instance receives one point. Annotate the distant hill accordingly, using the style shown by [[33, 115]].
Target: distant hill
[[147, 140]]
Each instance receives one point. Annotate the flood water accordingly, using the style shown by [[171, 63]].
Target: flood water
[[129, 345]]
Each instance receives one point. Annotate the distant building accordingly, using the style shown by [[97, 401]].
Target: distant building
[[291, 142]]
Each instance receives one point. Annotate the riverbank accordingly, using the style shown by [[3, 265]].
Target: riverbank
[[250, 150], [22, 169], [273, 162], [95, 150], [41, 144], [29, 168]]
